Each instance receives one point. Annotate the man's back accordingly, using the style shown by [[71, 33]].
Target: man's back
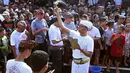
[[17, 67]]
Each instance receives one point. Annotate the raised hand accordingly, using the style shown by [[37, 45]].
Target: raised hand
[[57, 11]]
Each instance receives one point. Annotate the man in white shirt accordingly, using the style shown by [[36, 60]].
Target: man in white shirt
[[81, 55], [18, 65], [95, 34], [56, 46], [14, 39]]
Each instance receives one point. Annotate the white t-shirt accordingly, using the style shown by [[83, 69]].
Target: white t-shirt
[[17, 67], [23, 36], [14, 40], [85, 42], [94, 33], [55, 34]]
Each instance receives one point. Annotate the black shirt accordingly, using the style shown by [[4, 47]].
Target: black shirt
[[8, 25]]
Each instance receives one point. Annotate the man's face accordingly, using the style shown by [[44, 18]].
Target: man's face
[[2, 33], [40, 15], [104, 22], [6, 17], [21, 17], [119, 30], [82, 28], [22, 28], [127, 28], [68, 20], [121, 21], [96, 18]]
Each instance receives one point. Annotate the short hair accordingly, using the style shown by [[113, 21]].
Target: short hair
[[1, 29], [68, 15], [122, 27], [76, 15], [110, 23], [85, 16], [26, 44], [40, 11], [102, 19], [39, 60], [23, 23]]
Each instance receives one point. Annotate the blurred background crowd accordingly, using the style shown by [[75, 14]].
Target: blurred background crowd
[[103, 14]]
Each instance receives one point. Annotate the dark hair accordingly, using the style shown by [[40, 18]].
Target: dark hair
[[102, 19], [116, 17], [76, 15], [39, 59], [110, 23], [85, 16], [54, 20], [1, 29]]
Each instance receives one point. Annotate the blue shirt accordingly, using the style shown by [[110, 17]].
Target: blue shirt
[[36, 25], [71, 26]]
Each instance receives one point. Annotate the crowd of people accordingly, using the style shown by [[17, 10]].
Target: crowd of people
[[101, 35]]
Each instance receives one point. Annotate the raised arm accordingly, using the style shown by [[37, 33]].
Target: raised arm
[[66, 30]]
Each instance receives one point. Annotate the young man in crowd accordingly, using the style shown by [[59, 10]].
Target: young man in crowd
[[107, 35], [39, 29], [102, 28], [4, 44], [69, 21], [84, 50], [95, 34], [14, 38], [56, 46], [117, 44], [8, 24], [18, 65]]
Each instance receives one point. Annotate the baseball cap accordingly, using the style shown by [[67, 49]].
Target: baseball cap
[[23, 23], [86, 23], [5, 13]]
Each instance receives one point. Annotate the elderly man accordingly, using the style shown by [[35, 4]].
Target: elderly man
[[84, 50], [14, 39]]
